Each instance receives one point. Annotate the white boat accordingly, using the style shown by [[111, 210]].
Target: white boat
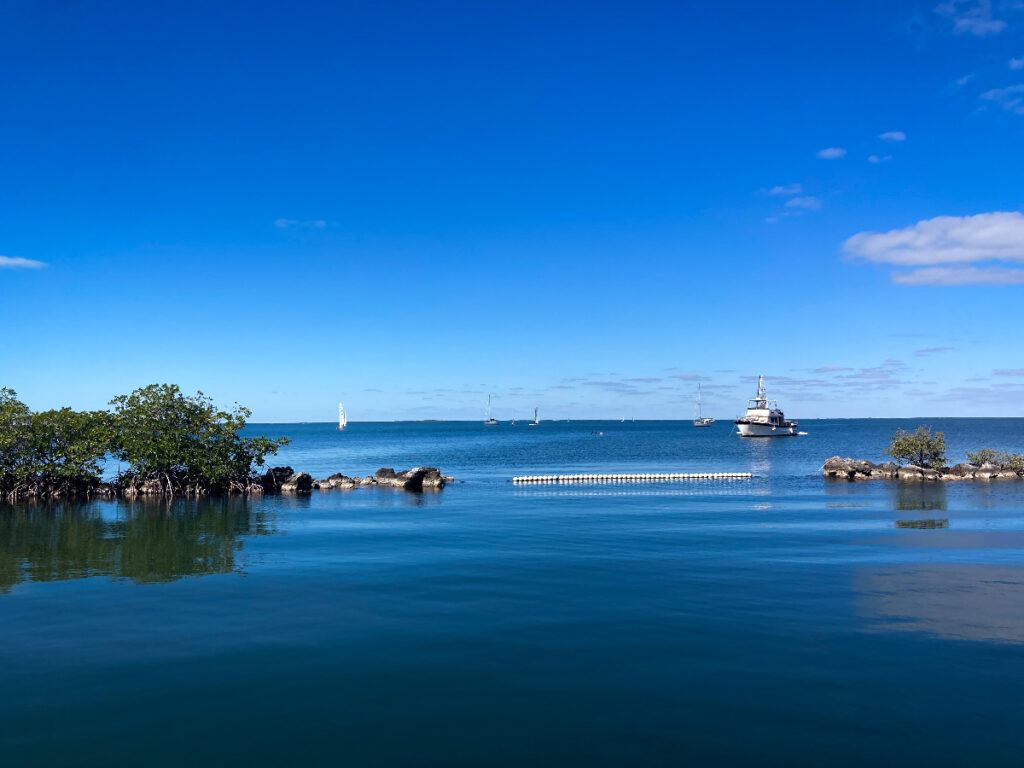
[[536, 421], [699, 419], [763, 417], [342, 417], [490, 421]]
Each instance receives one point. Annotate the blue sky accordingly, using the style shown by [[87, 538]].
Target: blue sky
[[586, 207]]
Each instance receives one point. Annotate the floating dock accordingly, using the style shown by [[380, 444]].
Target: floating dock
[[631, 477]]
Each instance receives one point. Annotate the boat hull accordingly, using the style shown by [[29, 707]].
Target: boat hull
[[766, 430]]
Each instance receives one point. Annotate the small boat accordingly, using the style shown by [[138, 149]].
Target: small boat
[[490, 421], [513, 422], [699, 419], [342, 417], [763, 417], [536, 421]]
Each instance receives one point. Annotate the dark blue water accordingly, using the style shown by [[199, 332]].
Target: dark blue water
[[781, 620]]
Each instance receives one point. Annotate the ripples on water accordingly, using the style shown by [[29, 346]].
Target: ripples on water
[[783, 619]]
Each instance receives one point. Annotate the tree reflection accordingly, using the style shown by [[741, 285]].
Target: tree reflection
[[919, 497], [143, 541]]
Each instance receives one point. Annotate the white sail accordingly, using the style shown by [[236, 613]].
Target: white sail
[[342, 417]]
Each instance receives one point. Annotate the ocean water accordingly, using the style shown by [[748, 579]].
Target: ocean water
[[783, 620]]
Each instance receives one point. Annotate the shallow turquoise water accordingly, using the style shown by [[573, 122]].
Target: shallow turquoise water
[[782, 620]]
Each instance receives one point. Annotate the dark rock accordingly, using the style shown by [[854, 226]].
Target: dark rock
[[274, 478], [300, 482], [848, 469], [336, 480], [962, 470], [855, 469], [415, 479], [910, 472]]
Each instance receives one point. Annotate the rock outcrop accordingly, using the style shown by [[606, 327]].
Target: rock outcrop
[[337, 481], [274, 478], [299, 482], [417, 479], [840, 468]]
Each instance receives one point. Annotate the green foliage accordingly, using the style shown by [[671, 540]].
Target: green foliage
[[185, 442], [984, 456], [51, 451], [1001, 459], [67, 445], [919, 447]]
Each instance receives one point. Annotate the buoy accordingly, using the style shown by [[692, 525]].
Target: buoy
[[631, 477]]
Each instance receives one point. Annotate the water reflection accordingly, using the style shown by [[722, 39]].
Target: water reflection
[[926, 524], [966, 602], [141, 541], [919, 497]]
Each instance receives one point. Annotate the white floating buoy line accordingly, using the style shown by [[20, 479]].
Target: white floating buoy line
[[631, 477]]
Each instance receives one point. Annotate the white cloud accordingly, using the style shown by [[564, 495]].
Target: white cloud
[[785, 190], [1010, 98], [876, 159], [831, 153], [300, 224], [1016, 63], [893, 136], [997, 236], [1009, 372], [805, 203], [960, 276], [960, 82], [927, 351], [17, 262], [971, 17]]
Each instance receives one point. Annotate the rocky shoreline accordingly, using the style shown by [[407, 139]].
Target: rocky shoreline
[[416, 480], [839, 468], [276, 480]]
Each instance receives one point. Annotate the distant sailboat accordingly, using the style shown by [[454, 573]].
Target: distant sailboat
[[513, 418], [490, 421], [536, 421], [699, 419], [342, 417]]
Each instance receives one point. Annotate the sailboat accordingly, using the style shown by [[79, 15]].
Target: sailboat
[[490, 421], [513, 422], [342, 417], [536, 421], [699, 419]]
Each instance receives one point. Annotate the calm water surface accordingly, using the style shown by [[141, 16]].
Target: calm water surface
[[781, 620]]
